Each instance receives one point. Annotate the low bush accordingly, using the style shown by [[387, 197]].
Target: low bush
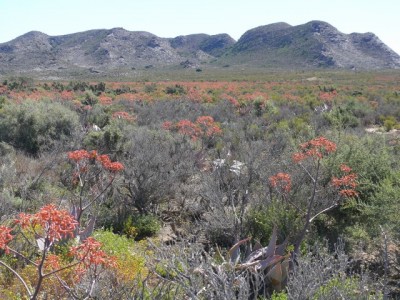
[[141, 226], [37, 126]]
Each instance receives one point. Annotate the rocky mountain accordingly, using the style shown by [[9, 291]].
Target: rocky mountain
[[107, 49], [214, 45], [312, 45]]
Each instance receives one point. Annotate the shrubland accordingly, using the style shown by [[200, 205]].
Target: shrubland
[[282, 188]]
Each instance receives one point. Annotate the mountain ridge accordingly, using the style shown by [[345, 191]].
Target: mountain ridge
[[315, 44]]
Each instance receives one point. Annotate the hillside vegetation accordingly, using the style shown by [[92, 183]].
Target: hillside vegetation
[[285, 187]]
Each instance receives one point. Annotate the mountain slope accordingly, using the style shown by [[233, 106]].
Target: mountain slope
[[312, 45], [213, 45]]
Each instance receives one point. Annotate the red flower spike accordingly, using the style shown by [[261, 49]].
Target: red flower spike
[[282, 181], [93, 154], [348, 193], [81, 157], [186, 127], [123, 115], [345, 168], [78, 155], [104, 159], [114, 167], [316, 148], [5, 237], [208, 125], [347, 183], [56, 224], [167, 125], [205, 126], [52, 262], [89, 253]]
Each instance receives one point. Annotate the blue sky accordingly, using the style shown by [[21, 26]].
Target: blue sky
[[179, 17]]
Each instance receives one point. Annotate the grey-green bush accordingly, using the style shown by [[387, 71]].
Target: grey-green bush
[[36, 126]]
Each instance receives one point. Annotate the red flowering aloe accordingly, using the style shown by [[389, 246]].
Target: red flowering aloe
[[54, 224], [203, 127], [93, 175], [5, 237], [48, 227], [316, 148], [347, 183], [282, 182]]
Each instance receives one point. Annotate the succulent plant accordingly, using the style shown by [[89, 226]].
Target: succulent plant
[[270, 262]]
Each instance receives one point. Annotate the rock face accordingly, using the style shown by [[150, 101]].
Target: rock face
[[312, 45]]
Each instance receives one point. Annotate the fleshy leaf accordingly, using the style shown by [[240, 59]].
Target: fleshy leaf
[[256, 255], [280, 250], [269, 261], [272, 243], [275, 276], [233, 253]]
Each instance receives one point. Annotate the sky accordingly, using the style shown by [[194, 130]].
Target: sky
[[171, 18]]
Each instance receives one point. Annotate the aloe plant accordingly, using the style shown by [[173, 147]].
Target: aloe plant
[[270, 262]]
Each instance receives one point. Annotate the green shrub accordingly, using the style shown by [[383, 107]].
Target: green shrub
[[358, 219], [175, 90], [150, 88], [383, 207], [324, 275], [262, 218], [338, 286], [141, 226], [97, 115], [129, 255], [389, 123], [19, 83], [36, 126], [89, 99], [3, 101], [342, 118], [109, 140], [279, 296]]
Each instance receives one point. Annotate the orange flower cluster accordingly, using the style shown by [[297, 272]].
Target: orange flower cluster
[[208, 126], [105, 100], [205, 126], [5, 237], [167, 125], [346, 183], [82, 155], [110, 166], [67, 95], [123, 115], [345, 168], [56, 224], [231, 99], [52, 263], [327, 96], [189, 128], [79, 155], [281, 181], [316, 148], [89, 253], [52, 225]]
